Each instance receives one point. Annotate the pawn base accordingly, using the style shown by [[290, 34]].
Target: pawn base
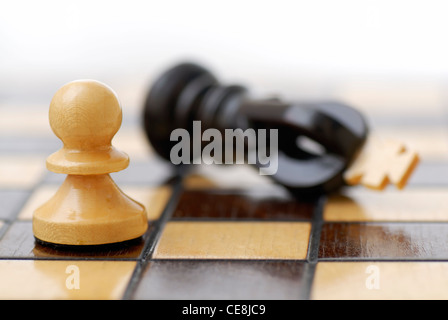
[[89, 210], [99, 248]]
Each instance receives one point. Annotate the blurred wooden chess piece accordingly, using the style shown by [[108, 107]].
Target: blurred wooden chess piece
[[188, 92], [89, 208], [382, 162]]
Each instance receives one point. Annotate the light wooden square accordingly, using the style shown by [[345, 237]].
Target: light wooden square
[[154, 199], [380, 281], [25, 120], [133, 141], [411, 204], [399, 96], [234, 240], [37, 198], [50, 279], [21, 172], [430, 142]]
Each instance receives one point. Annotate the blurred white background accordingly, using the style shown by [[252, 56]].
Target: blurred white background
[[267, 44]]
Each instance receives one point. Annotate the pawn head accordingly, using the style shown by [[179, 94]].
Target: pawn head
[[85, 114]]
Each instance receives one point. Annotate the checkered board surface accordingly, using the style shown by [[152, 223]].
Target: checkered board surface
[[221, 232]]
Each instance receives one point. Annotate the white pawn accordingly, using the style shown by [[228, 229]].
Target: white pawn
[[89, 208]]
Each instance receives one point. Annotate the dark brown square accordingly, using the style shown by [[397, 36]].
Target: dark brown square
[[19, 242], [205, 279], [384, 241], [261, 204]]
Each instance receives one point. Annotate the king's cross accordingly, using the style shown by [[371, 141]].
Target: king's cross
[[382, 162]]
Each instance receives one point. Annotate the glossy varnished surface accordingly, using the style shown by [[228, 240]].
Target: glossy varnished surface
[[25, 279], [192, 279], [228, 233], [424, 241], [252, 204], [19, 242]]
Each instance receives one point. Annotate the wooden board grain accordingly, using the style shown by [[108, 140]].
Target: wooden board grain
[[223, 232]]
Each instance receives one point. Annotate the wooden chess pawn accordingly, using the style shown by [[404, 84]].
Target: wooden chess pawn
[[89, 208]]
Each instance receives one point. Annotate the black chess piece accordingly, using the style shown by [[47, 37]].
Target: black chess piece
[[188, 92]]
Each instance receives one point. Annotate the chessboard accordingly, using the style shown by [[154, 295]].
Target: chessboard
[[225, 232]]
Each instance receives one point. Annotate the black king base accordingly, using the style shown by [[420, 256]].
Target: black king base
[[188, 92]]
